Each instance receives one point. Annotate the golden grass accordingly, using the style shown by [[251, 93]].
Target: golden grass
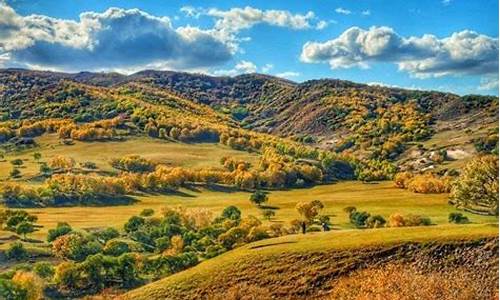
[[294, 261], [172, 153], [381, 198]]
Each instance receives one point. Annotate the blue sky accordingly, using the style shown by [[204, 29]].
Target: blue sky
[[449, 45]]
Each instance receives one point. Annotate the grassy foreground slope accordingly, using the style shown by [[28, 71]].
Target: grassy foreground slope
[[305, 266]]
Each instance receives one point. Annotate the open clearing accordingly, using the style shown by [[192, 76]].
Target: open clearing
[[161, 151], [379, 198]]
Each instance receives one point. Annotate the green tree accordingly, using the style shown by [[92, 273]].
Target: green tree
[[476, 190], [16, 251], [457, 218], [258, 197], [45, 169], [61, 229], [232, 213], [25, 228], [268, 214]]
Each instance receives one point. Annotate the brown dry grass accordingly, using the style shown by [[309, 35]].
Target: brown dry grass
[[401, 282]]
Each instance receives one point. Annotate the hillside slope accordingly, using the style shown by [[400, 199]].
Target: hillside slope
[[406, 127], [307, 267]]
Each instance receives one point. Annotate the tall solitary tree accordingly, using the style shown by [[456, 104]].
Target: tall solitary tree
[[25, 228], [308, 212]]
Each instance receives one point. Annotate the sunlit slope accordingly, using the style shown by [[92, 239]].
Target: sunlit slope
[[301, 266]]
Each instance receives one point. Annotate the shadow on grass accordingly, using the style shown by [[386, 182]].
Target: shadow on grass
[[269, 207], [273, 244]]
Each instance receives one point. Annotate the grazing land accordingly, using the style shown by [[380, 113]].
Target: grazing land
[[377, 198]]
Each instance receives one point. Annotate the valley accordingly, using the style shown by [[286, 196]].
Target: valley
[[142, 186]]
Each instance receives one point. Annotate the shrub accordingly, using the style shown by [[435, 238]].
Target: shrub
[[402, 179], [147, 212], [398, 220], [11, 290], [17, 162], [31, 283], [232, 213], [116, 248], [60, 230], [74, 246], [359, 218], [376, 221], [106, 234], [133, 163], [16, 251], [133, 224], [458, 218], [44, 270], [428, 184]]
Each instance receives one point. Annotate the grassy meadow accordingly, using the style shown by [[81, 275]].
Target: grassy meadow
[[376, 198], [161, 151]]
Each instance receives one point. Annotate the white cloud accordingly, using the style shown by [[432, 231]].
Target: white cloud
[[342, 11], [114, 39], [242, 67], [191, 11], [321, 25], [446, 2], [383, 84], [288, 74], [488, 83], [366, 12], [465, 52], [267, 67]]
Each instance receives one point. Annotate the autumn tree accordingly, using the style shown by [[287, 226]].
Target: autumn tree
[[308, 212], [476, 190]]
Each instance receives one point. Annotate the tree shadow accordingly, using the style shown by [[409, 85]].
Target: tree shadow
[[272, 244], [269, 207]]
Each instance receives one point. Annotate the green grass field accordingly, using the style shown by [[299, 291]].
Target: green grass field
[[161, 151], [380, 198]]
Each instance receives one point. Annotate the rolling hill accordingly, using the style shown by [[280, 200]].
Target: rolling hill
[[406, 127], [309, 267]]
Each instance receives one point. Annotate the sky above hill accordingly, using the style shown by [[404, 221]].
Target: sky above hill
[[446, 45]]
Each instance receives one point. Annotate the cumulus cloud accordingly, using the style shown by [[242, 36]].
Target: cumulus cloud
[[465, 52], [113, 39], [242, 67], [228, 23], [342, 11], [366, 12]]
